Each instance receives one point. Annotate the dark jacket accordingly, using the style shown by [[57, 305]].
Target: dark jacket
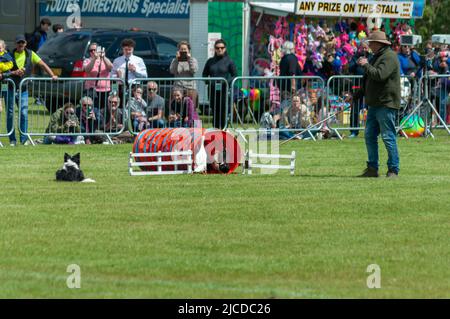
[[58, 124], [34, 41], [288, 67], [382, 80], [354, 68], [221, 67], [185, 109]]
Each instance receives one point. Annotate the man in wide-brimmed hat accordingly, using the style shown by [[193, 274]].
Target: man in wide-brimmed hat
[[381, 88]]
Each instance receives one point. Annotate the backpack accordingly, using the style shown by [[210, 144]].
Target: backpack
[[33, 39]]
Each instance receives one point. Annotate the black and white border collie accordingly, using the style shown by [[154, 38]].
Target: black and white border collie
[[71, 172]]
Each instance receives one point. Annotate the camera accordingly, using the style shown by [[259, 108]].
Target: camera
[[100, 50], [410, 39], [183, 56], [441, 38]]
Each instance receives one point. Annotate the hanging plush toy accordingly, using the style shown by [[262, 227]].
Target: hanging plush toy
[[320, 33], [274, 50], [278, 28], [301, 40], [344, 37], [285, 30], [349, 50], [317, 59], [362, 35]]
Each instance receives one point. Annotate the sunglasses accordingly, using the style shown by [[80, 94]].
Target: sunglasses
[[70, 112], [152, 89], [87, 104], [92, 50], [113, 102], [21, 42], [220, 48]]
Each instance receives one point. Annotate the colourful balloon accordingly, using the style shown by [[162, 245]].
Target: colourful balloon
[[254, 96], [414, 127]]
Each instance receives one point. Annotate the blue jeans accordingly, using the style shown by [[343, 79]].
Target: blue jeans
[[177, 124], [9, 100], [23, 116], [157, 124], [285, 134], [382, 120]]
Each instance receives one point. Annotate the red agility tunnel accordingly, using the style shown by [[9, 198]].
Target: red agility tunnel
[[219, 145]]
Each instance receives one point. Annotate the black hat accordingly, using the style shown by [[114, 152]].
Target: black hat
[[20, 37]]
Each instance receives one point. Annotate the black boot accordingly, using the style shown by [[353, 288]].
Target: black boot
[[369, 172]]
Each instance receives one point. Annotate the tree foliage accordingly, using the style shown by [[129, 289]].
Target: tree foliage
[[435, 19]]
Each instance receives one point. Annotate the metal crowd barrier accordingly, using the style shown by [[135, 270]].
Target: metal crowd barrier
[[7, 101], [89, 109], [170, 105], [438, 87], [250, 104], [352, 115], [411, 92], [262, 102]]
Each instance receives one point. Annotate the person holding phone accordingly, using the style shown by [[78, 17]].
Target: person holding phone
[[97, 66], [90, 118], [184, 65]]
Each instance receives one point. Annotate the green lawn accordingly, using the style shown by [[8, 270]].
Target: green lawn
[[308, 236]]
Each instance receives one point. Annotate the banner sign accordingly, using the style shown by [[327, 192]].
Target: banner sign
[[348, 8], [160, 9]]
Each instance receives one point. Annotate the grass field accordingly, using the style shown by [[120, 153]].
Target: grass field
[[308, 236]]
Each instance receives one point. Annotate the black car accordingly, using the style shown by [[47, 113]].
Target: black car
[[64, 54]]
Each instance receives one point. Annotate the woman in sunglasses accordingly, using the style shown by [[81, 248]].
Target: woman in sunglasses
[[220, 65], [97, 66]]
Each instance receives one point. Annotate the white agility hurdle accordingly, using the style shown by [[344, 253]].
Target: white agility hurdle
[[252, 162], [159, 163]]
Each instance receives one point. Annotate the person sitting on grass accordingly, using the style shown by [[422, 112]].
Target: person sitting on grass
[[137, 107], [64, 120], [90, 119], [182, 110], [114, 121], [155, 106], [296, 116]]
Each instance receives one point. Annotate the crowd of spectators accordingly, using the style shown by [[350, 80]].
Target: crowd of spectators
[[99, 109], [303, 49], [315, 49]]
